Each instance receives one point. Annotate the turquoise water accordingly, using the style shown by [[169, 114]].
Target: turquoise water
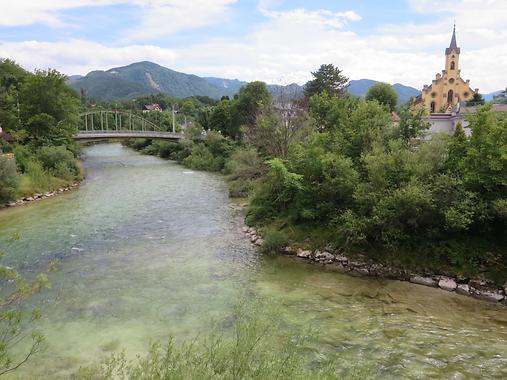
[[149, 249]]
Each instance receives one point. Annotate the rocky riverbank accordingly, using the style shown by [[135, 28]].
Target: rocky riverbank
[[41, 196], [364, 266]]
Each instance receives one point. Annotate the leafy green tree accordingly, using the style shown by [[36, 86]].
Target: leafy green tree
[[383, 93], [222, 119], [12, 77], [485, 164], [49, 108], [252, 98], [412, 123], [276, 130], [329, 79]]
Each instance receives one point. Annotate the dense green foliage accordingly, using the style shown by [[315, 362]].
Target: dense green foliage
[[41, 113], [383, 93]]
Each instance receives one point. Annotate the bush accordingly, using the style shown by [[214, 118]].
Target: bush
[[9, 180], [58, 161], [274, 242], [201, 158], [254, 348], [23, 155], [39, 179]]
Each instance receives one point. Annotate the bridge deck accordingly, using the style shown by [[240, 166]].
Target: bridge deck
[[96, 135]]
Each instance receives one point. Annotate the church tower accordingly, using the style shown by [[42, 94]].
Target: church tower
[[448, 89]]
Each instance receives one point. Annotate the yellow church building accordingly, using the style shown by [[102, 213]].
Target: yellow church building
[[448, 89]]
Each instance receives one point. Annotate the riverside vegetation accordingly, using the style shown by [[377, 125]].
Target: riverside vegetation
[[331, 170], [323, 170], [39, 114]]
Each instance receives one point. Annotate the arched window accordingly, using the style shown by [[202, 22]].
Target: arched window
[[450, 96], [432, 107], [452, 65]]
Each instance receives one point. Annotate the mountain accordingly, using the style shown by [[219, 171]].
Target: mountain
[[144, 78], [489, 97], [360, 88]]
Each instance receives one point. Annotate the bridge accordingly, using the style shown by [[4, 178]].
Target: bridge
[[105, 124]]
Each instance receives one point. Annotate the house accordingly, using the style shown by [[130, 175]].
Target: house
[[152, 107]]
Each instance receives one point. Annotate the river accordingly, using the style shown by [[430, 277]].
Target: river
[[149, 249]]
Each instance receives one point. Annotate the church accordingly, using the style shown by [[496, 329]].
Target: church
[[448, 89]]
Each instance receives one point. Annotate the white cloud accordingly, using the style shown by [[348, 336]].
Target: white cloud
[[165, 17], [80, 56], [290, 44], [157, 17], [27, 12]]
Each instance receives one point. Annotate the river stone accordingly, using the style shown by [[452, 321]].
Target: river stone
[[447, 283], [489, 295], [463, 289], [426, 281], [259, 242], [303, 253], [341, 259]]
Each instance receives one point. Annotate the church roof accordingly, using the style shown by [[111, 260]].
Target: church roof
[[454, 44]]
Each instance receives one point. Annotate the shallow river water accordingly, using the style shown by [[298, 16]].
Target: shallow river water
[[149, 249]]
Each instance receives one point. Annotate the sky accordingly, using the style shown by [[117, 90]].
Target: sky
[[276, 41]]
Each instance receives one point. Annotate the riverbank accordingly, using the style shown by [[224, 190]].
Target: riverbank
[[40, 196], [361, 265]]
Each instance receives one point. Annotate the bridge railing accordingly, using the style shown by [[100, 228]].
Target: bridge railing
[[109, 121]]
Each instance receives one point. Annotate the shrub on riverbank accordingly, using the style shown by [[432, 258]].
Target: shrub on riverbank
[[255, 347], [9, 180]]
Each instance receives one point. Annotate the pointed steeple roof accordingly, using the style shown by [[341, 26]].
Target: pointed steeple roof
[[454, 44]]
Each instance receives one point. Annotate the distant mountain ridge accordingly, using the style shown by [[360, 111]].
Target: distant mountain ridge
[[144, 78]]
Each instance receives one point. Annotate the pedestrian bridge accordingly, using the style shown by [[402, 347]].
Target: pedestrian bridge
[[106, 124]]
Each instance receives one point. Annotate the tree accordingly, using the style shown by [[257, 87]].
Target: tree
[[383, 93], [477, 99], [49, 108], [501, 98], [327, 78], [252, 98], [12, 77], [279, 126], [412, 123], [222, 119]]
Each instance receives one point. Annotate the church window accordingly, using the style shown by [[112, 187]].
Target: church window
[[466, 94], [452, 65], [432, 107], [451, 81], [433, 94], [450, 96]]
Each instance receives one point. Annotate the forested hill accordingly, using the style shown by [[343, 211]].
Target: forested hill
[[143, 78]]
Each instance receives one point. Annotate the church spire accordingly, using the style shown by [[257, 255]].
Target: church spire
[[454, 44]]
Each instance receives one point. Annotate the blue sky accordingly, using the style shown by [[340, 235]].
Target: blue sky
[[272, 40]]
